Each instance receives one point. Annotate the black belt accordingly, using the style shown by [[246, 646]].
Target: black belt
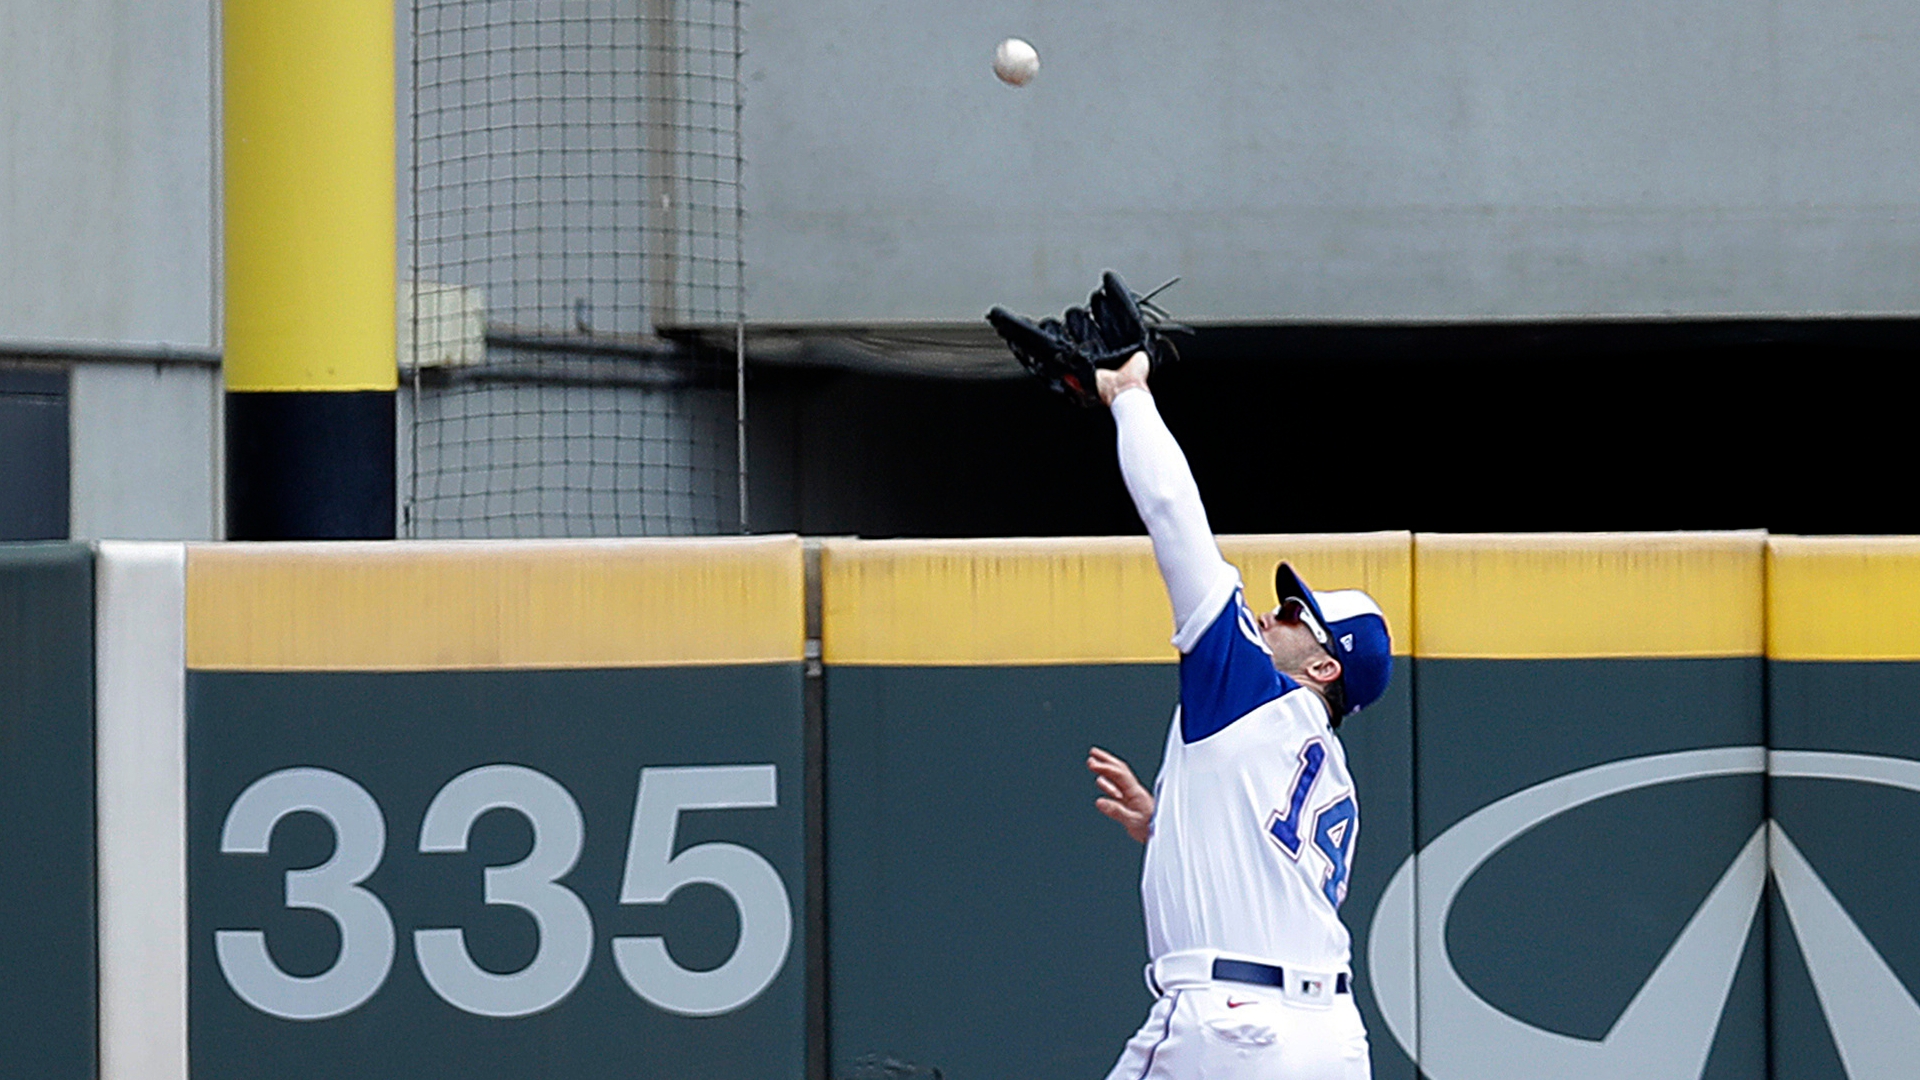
[[1247, 971]]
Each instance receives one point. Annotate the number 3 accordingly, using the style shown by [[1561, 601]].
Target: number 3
[[532, 885], [333, 887]]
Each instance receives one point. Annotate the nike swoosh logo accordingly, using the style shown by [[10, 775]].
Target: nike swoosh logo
[[1232, 1004]]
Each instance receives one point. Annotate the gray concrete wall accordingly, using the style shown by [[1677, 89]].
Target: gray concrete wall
[[551, 446], [147, 442], [1295, 161], [109, 245], [107, 189], [575, 160]]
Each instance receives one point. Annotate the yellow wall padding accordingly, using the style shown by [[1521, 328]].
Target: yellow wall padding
[[1060, 601], [1552, 596], [309, 207], [498, 604], [1843, 598]]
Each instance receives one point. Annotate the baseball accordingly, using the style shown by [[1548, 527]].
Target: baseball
[[1015, 62]]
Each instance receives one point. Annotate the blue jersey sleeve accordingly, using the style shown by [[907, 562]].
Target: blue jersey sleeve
[[1227, 674]]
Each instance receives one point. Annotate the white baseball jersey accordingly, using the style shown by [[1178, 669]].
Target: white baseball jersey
[[1255, 819]]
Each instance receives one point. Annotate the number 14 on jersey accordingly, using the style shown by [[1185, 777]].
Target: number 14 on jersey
[[1331, 829]]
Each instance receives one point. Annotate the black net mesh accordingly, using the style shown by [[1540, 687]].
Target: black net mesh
[[576, 269]]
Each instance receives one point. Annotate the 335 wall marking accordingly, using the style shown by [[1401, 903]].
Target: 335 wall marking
[[653, 873]]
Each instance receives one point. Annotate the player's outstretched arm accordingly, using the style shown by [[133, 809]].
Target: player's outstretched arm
[[1131, 375], [1165, 494], [1126, 800]]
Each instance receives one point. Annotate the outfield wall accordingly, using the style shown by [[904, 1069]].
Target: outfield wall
[[426, 809], [545, 808], [980, 912], [1843, 694], [1590, 737], [47, 1002]]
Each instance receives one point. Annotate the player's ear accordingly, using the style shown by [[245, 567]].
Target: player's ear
[[1323, 669]]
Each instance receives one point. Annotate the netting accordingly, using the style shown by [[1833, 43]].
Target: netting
[[575, 255]]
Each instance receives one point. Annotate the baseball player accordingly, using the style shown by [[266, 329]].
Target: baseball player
[[1251, 828]]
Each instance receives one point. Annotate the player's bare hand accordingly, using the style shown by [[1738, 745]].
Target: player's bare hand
[[1125, 799], [1130, 374]]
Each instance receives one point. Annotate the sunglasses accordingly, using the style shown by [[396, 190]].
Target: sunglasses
[[1294, 609]]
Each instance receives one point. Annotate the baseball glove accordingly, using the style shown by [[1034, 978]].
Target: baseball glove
[[1064, 353]]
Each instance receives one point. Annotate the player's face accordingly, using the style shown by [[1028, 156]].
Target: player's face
[[1287, 637]]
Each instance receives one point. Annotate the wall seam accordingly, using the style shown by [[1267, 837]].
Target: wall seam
[[1413, 777]]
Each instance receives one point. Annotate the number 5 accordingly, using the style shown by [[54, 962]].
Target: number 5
[[654, 873]]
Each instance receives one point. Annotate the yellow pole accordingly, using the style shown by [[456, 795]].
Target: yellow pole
[[310, 258]]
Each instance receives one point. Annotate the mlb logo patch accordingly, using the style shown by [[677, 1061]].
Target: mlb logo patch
[[1310, 991]]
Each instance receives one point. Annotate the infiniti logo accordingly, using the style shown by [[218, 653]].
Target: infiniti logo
[[1667, 1029]]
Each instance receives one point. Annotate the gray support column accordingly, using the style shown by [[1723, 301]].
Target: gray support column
[[140, 703]]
